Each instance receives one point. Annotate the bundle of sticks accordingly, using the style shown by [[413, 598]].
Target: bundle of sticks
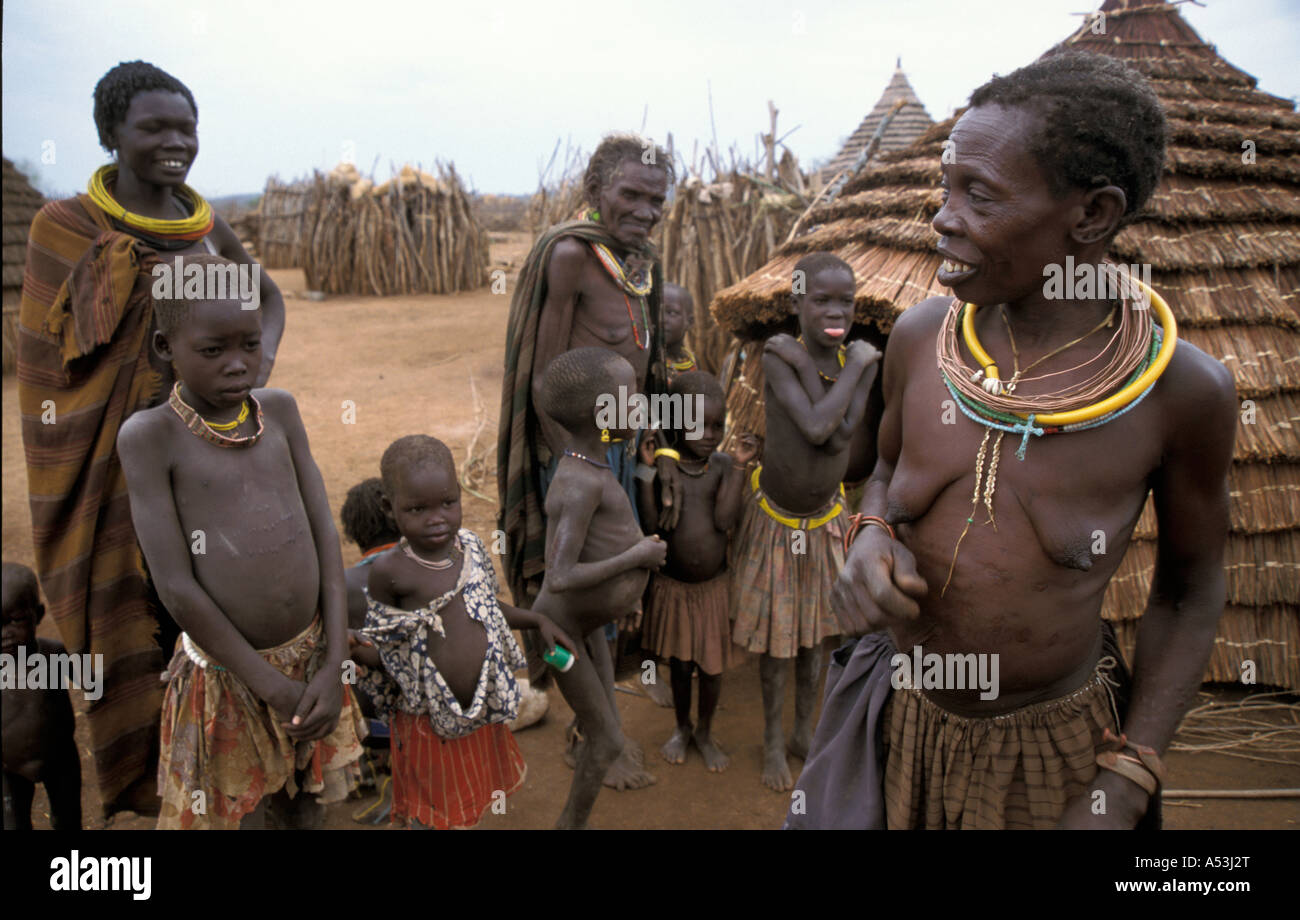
[[414, 234], [714, 234], [277, 224], [559, 194]]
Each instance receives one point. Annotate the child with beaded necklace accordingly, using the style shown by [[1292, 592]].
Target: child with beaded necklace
[[687, 618], [678, 319], [438, 649], [788, 547], [597, 559], [235, 526]]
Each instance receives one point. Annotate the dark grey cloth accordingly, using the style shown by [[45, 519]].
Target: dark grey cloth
[[843, 778]]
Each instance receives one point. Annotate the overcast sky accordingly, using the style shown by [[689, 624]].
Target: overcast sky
[[285, 87]]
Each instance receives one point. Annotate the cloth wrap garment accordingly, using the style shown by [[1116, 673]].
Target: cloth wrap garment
[[221, 740], [782, 573], [83, 367], [450, 761], [890, 758]]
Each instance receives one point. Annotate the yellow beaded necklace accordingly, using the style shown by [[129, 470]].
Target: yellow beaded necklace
[[230, 426], [1111, 403], [196, 226]]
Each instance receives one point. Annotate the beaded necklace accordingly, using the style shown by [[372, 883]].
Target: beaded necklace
[[639, 284], [437, 565], [205, 430], [231, 426], [586, 459], [195, 227], [1080, 404], [840, 353], [1141, 380], [687, 363]]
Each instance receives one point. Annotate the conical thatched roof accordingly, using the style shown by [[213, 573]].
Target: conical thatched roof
[[1223, 239], [21, 202], [907, 125]]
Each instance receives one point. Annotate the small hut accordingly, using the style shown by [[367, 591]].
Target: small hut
[[21, 202], [909, 122], [413, 234], [1222, 235]]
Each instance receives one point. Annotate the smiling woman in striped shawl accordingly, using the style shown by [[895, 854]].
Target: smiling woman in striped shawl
[[84, 365]]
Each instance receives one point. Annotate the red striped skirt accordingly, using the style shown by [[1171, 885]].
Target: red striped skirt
[[450, 783]]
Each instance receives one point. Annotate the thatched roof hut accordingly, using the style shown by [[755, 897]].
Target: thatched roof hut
[[21, 202], [909, 123], [1222, 235]]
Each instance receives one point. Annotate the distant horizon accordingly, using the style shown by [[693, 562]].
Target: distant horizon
[[509, 81]]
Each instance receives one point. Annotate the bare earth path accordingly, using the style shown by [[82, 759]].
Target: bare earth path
[[405, 365]]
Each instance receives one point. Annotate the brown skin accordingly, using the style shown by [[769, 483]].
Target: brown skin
[[810, 426], [426, 506], [862, 446], [584, 307], [597, 563], [38, 724], [158, 126], [1032, 591], [272, 555], [713, 484], [861, 458]]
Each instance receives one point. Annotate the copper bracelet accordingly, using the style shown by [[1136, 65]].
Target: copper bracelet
[[858, 521]]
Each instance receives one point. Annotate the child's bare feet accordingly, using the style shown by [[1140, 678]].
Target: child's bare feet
[[628, 772], [776, 772], [714, 757], [661, 693], [674, 749], [632, 748]]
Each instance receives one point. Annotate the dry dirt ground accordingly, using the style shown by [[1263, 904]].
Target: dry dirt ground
[[433, 365]]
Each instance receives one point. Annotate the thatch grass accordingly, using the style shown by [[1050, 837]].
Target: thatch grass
[[1268, 636], [1263, 497], [21, 202], [716, 233], [909, 122]]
